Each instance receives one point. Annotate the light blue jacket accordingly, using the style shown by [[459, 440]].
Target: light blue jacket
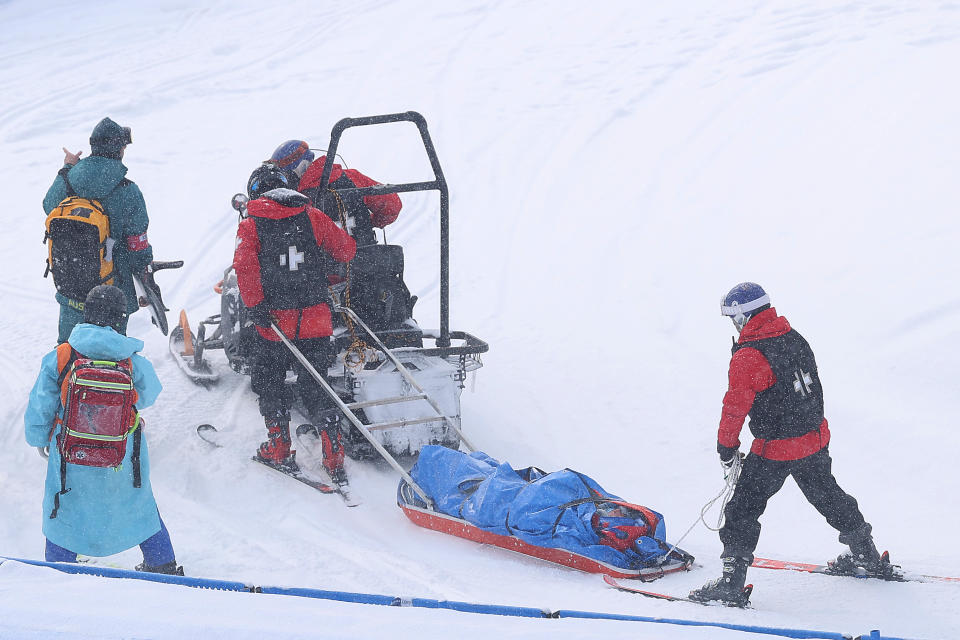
[[103, 513]]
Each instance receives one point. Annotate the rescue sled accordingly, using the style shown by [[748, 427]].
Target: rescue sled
[[401, 382], [591, 533]]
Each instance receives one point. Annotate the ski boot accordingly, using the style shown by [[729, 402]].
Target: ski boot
[[170, 568], [332, 440], [729, 588], [863, 560], [275, 451]]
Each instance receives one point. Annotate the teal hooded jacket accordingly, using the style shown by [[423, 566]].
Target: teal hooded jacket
[[104, 179], [103, 513]]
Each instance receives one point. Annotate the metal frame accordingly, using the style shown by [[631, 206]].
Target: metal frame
[[439, 183]]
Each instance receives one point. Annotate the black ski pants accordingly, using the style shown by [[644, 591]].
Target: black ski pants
[[268, 375], [761, 478]]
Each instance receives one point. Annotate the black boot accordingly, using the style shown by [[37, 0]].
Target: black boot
[[728, 588], [170, 568], [863, 558]]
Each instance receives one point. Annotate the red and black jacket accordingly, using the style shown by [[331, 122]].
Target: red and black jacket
[[363, 214], [282, 259], [773, 378]]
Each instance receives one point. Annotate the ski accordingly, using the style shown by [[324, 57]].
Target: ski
[[308, 439], [898, 576], [613, 582], [209, 433], [299, 476]]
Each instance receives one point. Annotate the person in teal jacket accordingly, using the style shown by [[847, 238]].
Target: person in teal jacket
[[102, 513], [102, 176]]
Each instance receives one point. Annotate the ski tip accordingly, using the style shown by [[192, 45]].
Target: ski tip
[[307, 429], [205, 427]]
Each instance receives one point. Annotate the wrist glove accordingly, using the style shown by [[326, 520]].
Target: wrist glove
[[148, 281], [260, 315], [730, 459]]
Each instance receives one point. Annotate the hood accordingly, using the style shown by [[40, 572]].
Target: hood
[[96, 176], [311, 177], [103, 343], [277, 204], [766, 324]]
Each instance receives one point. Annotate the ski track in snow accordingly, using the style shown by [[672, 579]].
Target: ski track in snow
[[611, 172]]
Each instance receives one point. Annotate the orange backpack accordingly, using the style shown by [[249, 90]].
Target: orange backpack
[[80, 249]]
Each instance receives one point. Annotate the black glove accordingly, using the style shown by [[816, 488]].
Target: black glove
[[730, 458], [260, 315], [148, 281]]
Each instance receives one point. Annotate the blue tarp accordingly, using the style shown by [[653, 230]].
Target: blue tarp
[[564, 509]]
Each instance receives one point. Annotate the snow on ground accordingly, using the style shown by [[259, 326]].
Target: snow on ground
[[614, 169]]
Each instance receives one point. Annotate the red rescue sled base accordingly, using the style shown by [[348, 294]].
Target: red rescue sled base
[[679, 560]]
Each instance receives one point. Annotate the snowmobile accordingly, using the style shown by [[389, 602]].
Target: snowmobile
[[399, 383]]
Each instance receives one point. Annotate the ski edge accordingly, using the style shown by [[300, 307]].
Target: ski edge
[[616, 584]]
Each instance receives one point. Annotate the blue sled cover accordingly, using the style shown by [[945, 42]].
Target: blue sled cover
[[563, 509]]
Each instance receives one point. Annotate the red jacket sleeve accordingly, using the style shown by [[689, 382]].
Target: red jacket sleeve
[[383, 209], [749, 374], [331, 238], [246, 263]]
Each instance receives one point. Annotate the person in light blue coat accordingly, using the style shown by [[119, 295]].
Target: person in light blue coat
[[102, 512]]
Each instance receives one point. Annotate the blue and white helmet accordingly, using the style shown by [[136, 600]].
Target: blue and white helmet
[[742, 302], [293, 156]]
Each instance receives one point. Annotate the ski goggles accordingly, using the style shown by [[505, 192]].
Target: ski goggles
[[740, 313]]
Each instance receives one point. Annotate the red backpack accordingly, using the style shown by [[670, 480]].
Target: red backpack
[[99, 415]]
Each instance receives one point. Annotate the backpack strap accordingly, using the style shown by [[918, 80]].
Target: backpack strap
[[63, 174], [137, 433], [66, 356], [135, 456]]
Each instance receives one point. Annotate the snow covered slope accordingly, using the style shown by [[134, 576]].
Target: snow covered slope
[[614, 168]]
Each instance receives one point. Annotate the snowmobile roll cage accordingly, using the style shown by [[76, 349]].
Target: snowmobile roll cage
[[438, 183]]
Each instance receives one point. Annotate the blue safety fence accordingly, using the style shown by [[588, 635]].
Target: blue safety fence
[[427, 603]]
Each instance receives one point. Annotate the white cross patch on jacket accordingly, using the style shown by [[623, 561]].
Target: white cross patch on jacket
[[293, 258]]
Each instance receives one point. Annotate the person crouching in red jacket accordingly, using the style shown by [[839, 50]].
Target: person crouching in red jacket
[[358, 215], [285, 251]]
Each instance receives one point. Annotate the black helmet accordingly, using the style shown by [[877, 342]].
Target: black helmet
[[266, 177], [105, 306]]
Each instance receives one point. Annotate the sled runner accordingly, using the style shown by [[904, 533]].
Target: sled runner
[[563, 517]]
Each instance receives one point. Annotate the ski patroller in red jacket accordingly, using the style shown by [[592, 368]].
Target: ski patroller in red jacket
[[751, 374], [384, 209], [300, 311]]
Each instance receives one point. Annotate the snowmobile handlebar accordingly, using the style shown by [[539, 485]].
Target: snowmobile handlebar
[[167, 264]]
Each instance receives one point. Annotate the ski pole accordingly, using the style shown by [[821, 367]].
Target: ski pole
[[345, 410]]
